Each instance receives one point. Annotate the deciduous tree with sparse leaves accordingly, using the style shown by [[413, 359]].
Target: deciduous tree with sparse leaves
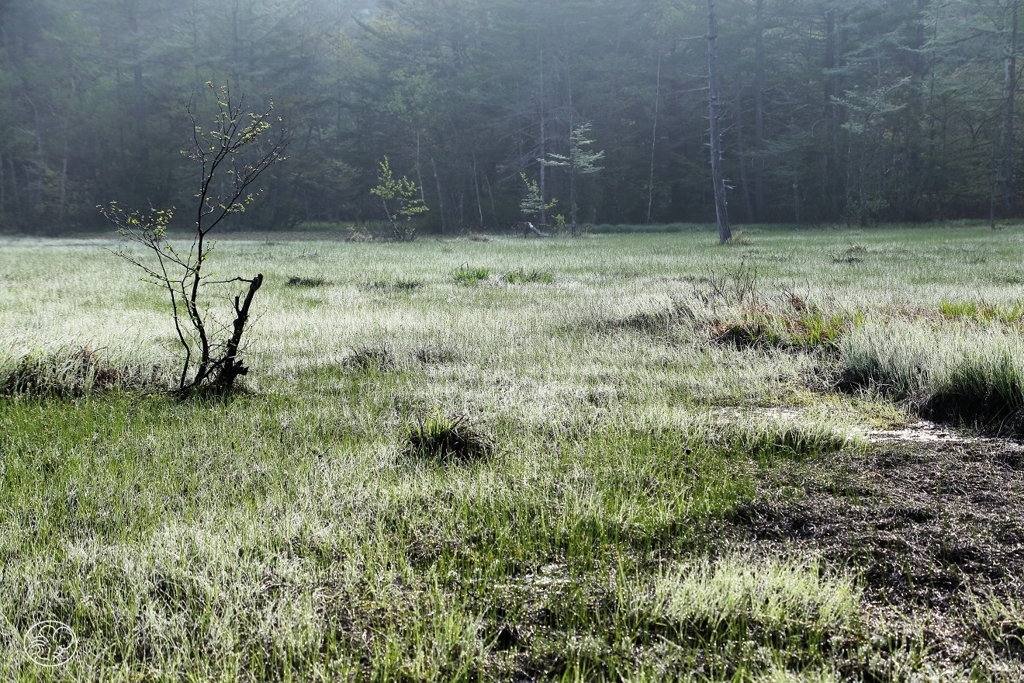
[[231, 156]]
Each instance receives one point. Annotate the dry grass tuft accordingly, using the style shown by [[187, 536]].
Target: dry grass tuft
[[298, 281], [447, 440], [76, 371], [371, 358]]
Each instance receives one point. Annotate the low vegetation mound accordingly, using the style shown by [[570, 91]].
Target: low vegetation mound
[[447, 440], [75, 371], [469, 276], [521, 276], [969, 377], [299, 281]]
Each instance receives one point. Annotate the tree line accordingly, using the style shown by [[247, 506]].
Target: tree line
[[830, 110]]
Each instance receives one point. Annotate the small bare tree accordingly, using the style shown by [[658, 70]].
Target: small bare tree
[[234, 152]]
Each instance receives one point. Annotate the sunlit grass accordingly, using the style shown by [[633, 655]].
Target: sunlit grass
[[302, 530], [788, 605], [974, 375]]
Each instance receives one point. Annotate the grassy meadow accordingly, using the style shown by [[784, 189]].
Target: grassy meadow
[[637, 457]]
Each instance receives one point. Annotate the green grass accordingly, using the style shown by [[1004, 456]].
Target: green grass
[[605, 229], [521, 276], [982, 311], [960, 375], [791, 607], [430, 480], [465, 275], [447, 440]]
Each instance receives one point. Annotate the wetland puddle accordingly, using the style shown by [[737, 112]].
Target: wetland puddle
[[917, 432], [923, 431], [1003, 451]]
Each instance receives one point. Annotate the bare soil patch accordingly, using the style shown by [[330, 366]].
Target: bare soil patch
[[934, 526]]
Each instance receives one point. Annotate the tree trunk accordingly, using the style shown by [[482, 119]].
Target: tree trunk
[[741, 151], [931, 160], [140, 111], [830, 176], [654, 139], [233, 367], [572, 179], [440, 197], [542, 186], [543, 148], [490, 197], [714, 108], [1008, 141], [476, 186], [62, 181], [759, 59], [15, 192], [419, 176], [797, 216]]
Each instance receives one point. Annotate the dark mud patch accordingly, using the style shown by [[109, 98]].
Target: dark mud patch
[[932, 528]]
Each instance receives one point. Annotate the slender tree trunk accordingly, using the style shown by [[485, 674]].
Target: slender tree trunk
[[440, 197], [419, 175], [831, 181], [930, 198], [15, 192], [543, 148], [490, 197], [63, 191], [742, 153], [235, 56], [35, 170], [654, 139], [1008, 141], [462, 206], [714, 108], [862, 173], [476, 186], [572, 197], [572, 158], [759, 85], [140, 111], [797, 215]]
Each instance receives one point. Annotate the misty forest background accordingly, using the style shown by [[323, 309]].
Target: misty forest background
[[833, 110]]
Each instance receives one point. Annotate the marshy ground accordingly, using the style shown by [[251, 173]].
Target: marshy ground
[[619, 457]]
